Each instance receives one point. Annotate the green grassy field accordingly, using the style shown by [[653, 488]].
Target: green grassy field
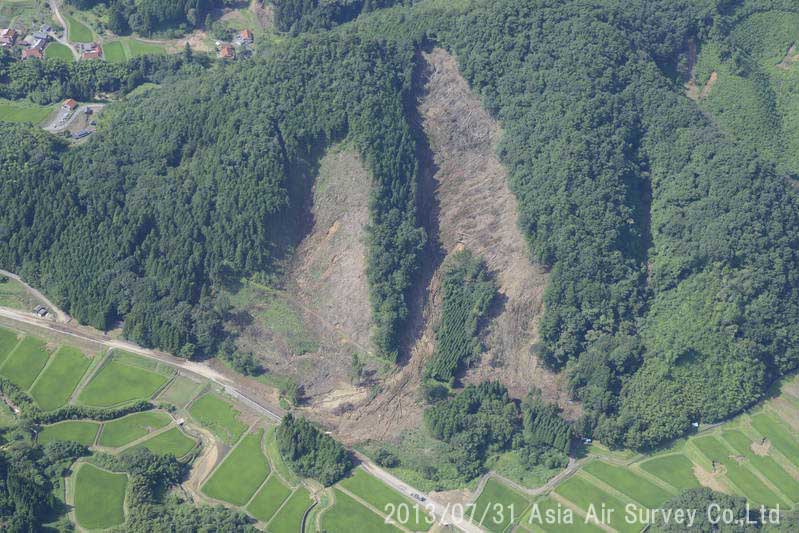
[[82, 431], [767, 466], [8, 341], [114, 52], [59, 379], [277, 460], [536, 519], [139, 48], [23, 365], [129, 428], [349, 515], [743, 478], [117, 383], [219, 416], [269, 499], [241, 473], [779, 437], [180, 392], [22, 111], [288, 519], [99, 497], [172, 441], [497, 505], [676, 470], [78, 32], [56, 50], [625, 481], [380, 495], [583, 494]]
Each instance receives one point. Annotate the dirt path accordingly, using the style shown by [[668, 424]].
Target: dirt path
[[60, 315], [56, 8]]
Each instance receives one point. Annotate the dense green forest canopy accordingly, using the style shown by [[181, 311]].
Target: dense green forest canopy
[[672, 245], [310, 452], [148, 16]]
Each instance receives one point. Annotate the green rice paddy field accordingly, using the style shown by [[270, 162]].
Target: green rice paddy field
[[59, 380], [241, 473], [99, 497], [219, 416], [118, 383]]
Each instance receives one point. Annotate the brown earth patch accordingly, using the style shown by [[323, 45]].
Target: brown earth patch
[[710, 480], [761, 448], [310, 327], [466, 204], [264, 13], [709, 85], [198, 41], [790, 58]]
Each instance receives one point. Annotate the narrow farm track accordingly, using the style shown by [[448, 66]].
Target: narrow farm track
[[61, 316], [440, 511]]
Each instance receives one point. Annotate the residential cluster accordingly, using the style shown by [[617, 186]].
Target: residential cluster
[[32, 43], [240, 47]]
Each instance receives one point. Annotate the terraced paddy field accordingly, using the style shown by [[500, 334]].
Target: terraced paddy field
[[172, 442], [8, 341], [382, 497], [77, 31], [676, 470], [99, 497], [241, 473], [587, 496], [59, 380], [498, 506], [82, 431], [631, 485], [269, 498], [24, 364], [289, 518], [130, 428], [543, 516], [347, 514], [218, 415], [119, 382], [181, 391]]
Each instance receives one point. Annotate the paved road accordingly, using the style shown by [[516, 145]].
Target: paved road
[[57, 13], [443, 513]]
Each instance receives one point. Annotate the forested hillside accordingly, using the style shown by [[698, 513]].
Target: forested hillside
[[672, 243], [146, 230]]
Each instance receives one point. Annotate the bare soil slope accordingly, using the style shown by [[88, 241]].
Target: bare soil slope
[[310, 328], [471, 206]]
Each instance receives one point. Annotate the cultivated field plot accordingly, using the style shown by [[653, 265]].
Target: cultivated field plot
[[130, 428], [59, 380], [181, 391], [99, 497], [535, 519], [779, 436], [379, 495], [241, 473], [497, 506], [23, 365], [78, 32], [625, 481], [81, 431], [741, 477], [58, 51], [170, 442], [349, 515], [766, 465], [8, 341], [584, 494], [119, 382], [676, 470], [289, 518], [219, 416], [114, 52], [269, 499]]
